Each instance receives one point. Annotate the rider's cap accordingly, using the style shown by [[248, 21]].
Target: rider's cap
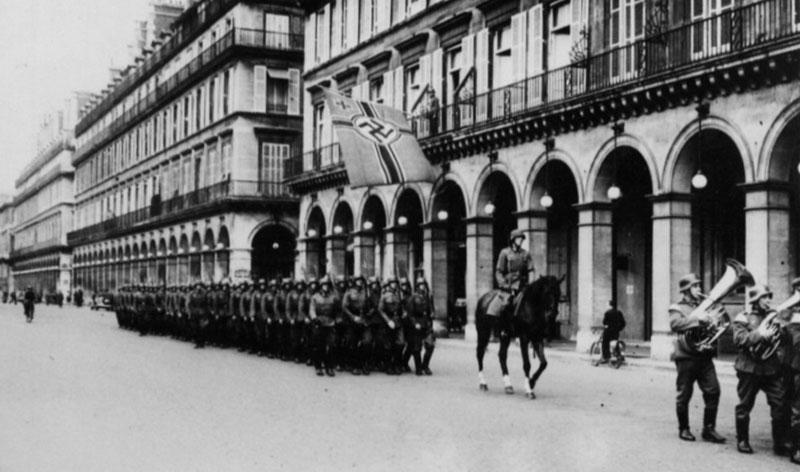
[[687, 281]]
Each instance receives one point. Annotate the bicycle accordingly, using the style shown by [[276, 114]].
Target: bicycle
[[617, 348]]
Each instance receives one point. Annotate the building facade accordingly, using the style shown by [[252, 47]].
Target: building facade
[[634, 141], [42, 207], [6, 221], [179, 162]]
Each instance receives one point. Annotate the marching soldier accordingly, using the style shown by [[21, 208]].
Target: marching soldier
[[244, 317], [271, 318], [419, 309], [793, 362], [756, 374], [324, 313], [355, 307], [295, 318], [391, 310], [305, 314], [282, 318], [257, 318], [693, 366]]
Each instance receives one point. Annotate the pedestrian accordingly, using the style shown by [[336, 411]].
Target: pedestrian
[[28, 305], [613, 324], [692, 365], [756, 374]]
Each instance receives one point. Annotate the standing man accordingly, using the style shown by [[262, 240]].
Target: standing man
[[419, 309], [390, 308], [29, 300], [693, 366], [355, 306], [295, 318], [793, 363], [756, 374], [324, 313]]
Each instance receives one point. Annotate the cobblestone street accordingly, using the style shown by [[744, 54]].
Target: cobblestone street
[[78, 393]]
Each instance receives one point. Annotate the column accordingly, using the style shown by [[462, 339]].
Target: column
[[594, 269], [672, 259], [437, 272], [480, 267], [364, 253], [534, 224], [396, 253], [336, 247], [768, 245]]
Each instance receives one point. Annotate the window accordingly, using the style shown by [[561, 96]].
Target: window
[[277, 30], [226, 86], [186, 109], [270, 170], [452, 58], [211, 99], [175, 122], [343, 22], [227, 154], [213, 163], [376, 90], [277, 91], [626, 26], [709, 37], [411, 86], [319, 125], [198, 101], [501, 66]]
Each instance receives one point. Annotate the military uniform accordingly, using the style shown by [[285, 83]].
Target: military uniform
[[693, 366], [282, 319], [793, 362], [271, 319], [198, 308], [355, 307], [296, 319], [324, 313], [419, 309], [756, 375], [390, 308]]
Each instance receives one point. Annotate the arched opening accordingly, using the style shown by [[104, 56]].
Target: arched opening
[[341, 241], [152, 264], [223, 254], [273, 253], [449, 253], [194, 258], [135, 265], [183, 260], [126, 269], [631, 236], [208, 257], [560, 239], [172, 262], [718, 230], [497, 202], [316, 259], [784, 167], [162, 262], [372, 240], [408, 253]]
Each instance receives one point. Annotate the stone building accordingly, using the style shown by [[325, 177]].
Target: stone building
[[6, 221], [634, 141], [179, 161], [42, 207]]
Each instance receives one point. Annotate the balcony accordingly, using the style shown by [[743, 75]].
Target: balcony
[[318, 167], [189, 27], [216, 197], [756, 27], [260, 40]]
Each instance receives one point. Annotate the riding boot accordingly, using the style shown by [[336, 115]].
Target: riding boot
[[743, 435], [683, 424], [426, 361], [418, 363], [709, 426], [779, 446], [795, 457]]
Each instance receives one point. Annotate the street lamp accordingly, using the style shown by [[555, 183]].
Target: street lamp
[[338, 229], [614, 192], [312, 233], [367, 225], [699, 181], [275, 245], [402, 221], [489, 208], [546, 201], [442, 215]]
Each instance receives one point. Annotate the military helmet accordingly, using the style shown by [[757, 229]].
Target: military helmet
[[372, 280], [325, 281], [420, 281], [300, 284], [757, 292], [404, 282], [688, 281], [517, 233], [286, 283]]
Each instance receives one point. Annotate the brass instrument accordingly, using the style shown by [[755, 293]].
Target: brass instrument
[[702, 338], [767, 348]]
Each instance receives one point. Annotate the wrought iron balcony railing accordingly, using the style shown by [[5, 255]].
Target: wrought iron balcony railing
[[726, 34], [319, 160], [235, 37], [158, 208]]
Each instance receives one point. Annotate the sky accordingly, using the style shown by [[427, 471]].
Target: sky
[[49, 48]]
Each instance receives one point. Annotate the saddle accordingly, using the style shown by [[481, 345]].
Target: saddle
[[499, 302]]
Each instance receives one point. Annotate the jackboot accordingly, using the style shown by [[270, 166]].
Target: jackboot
[[683, 424], [779, 444], [418, 363], [743, 435], [709, 426], [426, 360]]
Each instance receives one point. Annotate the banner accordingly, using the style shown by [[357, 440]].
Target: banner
[[376, 143]]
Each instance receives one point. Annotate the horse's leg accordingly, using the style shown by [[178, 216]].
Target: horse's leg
[[502, 355], [484, 332], [526, 362], [538, 348]]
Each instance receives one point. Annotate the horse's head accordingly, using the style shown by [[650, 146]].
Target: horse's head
[[543, 294]]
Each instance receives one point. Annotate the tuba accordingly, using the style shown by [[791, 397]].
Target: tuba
[[767, 348], [702, 338]]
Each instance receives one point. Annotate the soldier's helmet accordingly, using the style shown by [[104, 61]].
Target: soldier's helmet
[[313, 283], [758, 292], [405, 283], [226, 283], [273, 283], [421, 282], [517, 233], [357, 279], [325, 282], [391, 280], [300, 284], [373, 282], [286, 284]]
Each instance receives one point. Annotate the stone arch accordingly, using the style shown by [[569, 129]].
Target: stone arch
[[315, 221], [624, 140], [208, 240], [263, 224], [492, 171], [556, 155], [451, 180], [689, 131], [770, 167], [223, 239], [399, 192]]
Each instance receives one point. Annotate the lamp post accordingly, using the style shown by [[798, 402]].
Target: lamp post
[[547, 201], [614, 192], [699, 180]]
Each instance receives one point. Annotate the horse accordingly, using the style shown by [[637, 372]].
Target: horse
[[527, 320]]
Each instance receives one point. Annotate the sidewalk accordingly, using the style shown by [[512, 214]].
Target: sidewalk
[[637, 355]]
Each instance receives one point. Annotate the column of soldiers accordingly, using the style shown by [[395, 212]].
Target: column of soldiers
[[358, 325], [768, 360]]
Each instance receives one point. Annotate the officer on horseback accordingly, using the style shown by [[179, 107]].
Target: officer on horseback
[[514, 264]]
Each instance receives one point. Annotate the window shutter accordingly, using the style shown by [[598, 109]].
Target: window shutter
[[352, 24], [518, 37], [482, 74], [467, 52], [310, 39], [260, 89], [382, 14], [366, 21], [399, 88], [325, 41], [388, 88], [399, 11], [436, 73], [336, 29], [294, 92], [424, 77], [575, 30], [535, 84]]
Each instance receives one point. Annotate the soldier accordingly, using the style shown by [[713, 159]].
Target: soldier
[[198, 308], [305, 308], [271, 318], [355, 307], [756, 374], [693, 366], [221, 301], [419, 309], [257, 319], [793, 362], [186, 313], [374, 341], [324, 313], [341, 286], [233, 323], [139, 310], [513, 270], [282, 318], [160, 298], [391, 310], [244, 329], [405, 294], [296, 318]]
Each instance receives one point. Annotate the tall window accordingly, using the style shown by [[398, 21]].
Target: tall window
[[277, 30], [411, 86], [319, 125], [502, 73], [227, 154], [270, 171], [709, 37], [211, 98], [186, 110], [376, 90], [626, 26], [226, 86], [213, 163], [198, 107], [277, 91], [343, 22], [175, 117], [453, 72]]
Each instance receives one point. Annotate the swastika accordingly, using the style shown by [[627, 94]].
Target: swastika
[[376, 130]]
